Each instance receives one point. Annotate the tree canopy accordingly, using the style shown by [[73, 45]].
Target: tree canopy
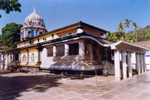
[[135, 35], [142, 34], [9, 6], [10, 34]]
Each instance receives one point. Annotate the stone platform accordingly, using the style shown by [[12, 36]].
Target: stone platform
[[45, 86]]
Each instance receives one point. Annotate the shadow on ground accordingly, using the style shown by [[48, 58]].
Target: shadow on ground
[[11, 86]]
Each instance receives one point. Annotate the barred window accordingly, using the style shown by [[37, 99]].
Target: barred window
[[50, 51], [74, 49], [60, 50]]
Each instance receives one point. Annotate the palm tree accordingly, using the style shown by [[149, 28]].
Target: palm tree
[[135, 26], [130, 38], [127, 23], [111, 36], [120, 27]]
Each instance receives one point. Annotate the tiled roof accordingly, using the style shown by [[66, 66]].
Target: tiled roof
[[80, 23], [143, 44]]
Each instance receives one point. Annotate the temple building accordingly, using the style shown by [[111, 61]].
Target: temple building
[[77, 47]]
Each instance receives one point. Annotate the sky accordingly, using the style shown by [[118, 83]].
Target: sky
[[105, 14]]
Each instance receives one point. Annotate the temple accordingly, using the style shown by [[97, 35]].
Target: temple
[[77, 47]]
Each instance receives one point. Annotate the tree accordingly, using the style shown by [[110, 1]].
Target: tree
[[130, 38], [120, 35], [120, 27], [147, 35], [11, 34], [111, 36], [9, 6], [127, 23], [135, 26]]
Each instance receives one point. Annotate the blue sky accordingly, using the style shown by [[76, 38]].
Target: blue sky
[[105, 14]]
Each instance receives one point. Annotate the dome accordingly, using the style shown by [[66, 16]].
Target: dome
[[33, 26], [34, 20]]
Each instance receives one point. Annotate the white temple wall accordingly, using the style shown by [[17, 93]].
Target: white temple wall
[[33, 55], [147, 60]]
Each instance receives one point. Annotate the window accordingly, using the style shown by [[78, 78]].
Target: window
[[60, 50], [39, 24], [74, 49], [50, 51], [40, 33]]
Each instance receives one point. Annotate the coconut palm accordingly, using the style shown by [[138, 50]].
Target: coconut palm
[[127, 23], [120, 28], [135, 26]]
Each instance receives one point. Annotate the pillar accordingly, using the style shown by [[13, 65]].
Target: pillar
[[66, 49], [117, 65], [14, 57], [82, 49], [91, 50], [2, 61], [141, 63], [6, 61], [144, 65], [138, 63], [129, 64], [98, 51], [54, 51], [123, 53], [44, 54], [39, 57]]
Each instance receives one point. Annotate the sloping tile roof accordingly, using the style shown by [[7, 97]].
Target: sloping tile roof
[[143, 44]]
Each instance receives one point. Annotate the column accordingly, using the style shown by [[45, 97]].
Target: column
[[66, 49], [123, 53], [6, 61], [82, 49], [44, 54], [39, 57], [54, 51], [2, 61], [129, 64], [14, 57], [91, 50], [138, 63], [98, 51], [34, 32], [141, 63], [144, 65], [117, 65]]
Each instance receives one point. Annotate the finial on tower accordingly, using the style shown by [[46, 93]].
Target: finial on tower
[[34, 9]]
